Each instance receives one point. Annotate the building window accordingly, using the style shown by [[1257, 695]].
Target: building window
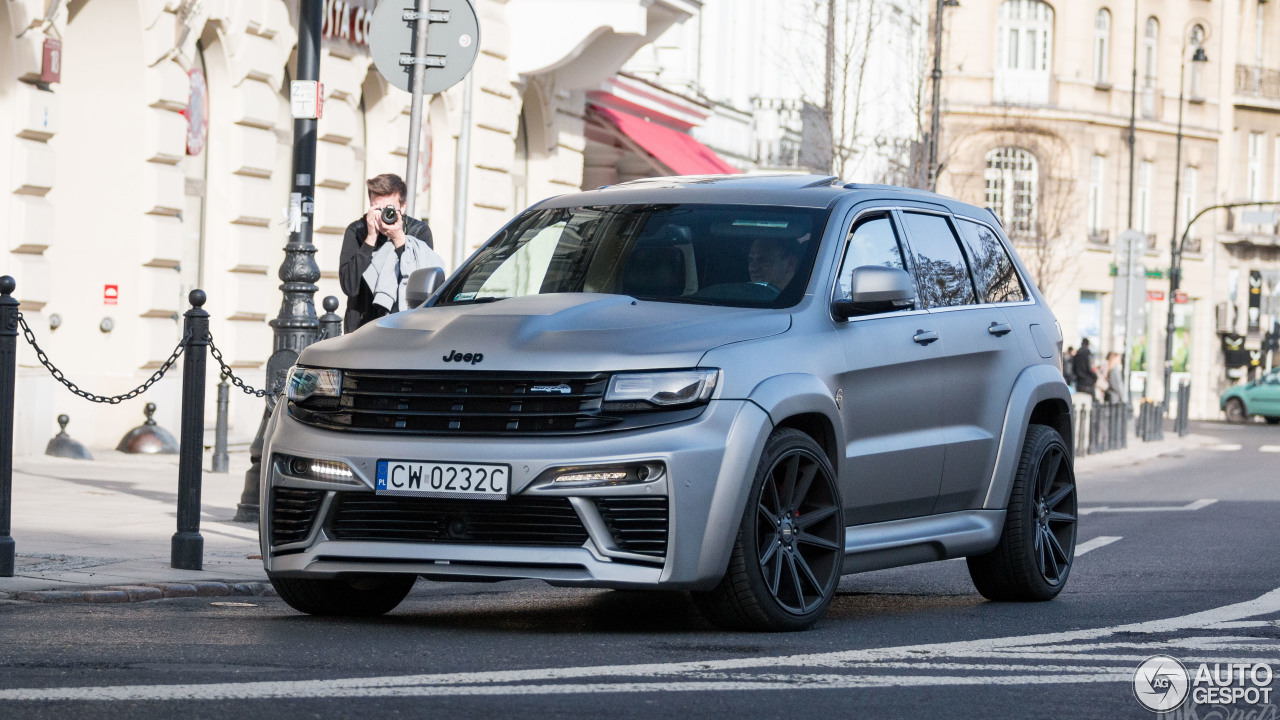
[[1097, 166], [1101, 43], [1197, 68], [1145, 173], [1190, 178], [1012, 178], [1149, 57], [1024, 48], [1253, 181]]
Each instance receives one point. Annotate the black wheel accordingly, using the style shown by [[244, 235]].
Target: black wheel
[[1235, 411], [787, 557], [1273, 420], [1038, 544], [362, 596]]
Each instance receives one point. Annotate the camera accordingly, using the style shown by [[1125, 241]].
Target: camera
[[389, 215]]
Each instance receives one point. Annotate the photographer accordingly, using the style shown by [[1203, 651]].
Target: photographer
[[379, 251]]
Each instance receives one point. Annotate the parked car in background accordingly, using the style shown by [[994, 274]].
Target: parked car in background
[[742, 387], [1256, 397]]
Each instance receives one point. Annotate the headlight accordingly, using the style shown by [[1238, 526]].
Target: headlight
[[305, 383], [664, 389]]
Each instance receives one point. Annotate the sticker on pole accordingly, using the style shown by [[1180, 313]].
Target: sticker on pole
[[453, 41]]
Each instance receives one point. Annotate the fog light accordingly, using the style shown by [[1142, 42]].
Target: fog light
[[315, 469], [605, 476], [331, 470]]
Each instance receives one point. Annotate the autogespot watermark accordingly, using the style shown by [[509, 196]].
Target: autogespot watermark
[[1216, 690]]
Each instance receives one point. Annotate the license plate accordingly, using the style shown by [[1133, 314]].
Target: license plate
[[443, 480]]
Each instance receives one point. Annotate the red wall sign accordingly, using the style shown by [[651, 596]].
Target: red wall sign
[[346, 21], [51, 61], [110, 294], [1155, 296]]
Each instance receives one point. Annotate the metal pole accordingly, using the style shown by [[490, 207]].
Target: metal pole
[[296, 326], [420, 27], [462, 176], [1175, 248], [8, 369], [221, 460], [1175, 279], [187, 546], [330, 322], [935, 115], [1133, 117]]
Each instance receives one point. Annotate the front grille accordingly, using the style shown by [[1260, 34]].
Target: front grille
[[464, 403], [292, 513], [516, 521], [638, 524]]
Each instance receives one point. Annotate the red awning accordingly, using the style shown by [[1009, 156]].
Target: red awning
[[676, 150]]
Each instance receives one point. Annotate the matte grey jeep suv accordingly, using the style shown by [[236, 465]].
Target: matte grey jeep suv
[[743, 387]]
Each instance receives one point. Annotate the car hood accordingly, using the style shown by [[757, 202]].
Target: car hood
[[570, 332]]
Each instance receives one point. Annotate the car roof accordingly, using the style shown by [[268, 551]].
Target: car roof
[[813, 191]]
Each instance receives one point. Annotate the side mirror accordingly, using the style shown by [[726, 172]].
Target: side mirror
[[875, 289], [422, 283]]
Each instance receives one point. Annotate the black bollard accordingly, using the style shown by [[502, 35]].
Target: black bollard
[[187, 548], [330, 322], [221, 460], [8, 372]]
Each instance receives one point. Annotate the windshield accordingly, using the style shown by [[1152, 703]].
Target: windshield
[[733, 255]]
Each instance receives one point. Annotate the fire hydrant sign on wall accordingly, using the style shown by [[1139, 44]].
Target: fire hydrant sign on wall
[[110, 294]]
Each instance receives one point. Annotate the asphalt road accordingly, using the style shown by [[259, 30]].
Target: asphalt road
[[1180, 559]]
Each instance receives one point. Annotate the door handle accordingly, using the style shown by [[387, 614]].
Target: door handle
[[924, 337], [1000, 328]]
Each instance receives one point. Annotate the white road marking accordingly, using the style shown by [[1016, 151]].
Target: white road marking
[[1197, 505], [1075, 646], [1094, 544], [1225, 447], [1269, 449]]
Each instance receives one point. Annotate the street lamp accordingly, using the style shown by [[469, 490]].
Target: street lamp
[[936, 115], [1176, 243]]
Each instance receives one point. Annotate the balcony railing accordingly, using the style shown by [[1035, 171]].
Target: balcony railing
[[1258, 81], [1099, 237]]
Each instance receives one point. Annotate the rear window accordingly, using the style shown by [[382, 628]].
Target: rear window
[[993, 270]]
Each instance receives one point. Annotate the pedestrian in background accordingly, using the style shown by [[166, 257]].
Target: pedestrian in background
[[1086, 376], [1068, 367], [378, 256], [1115, 379]]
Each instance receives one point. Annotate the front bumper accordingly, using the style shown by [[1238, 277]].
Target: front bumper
[[709, 463]]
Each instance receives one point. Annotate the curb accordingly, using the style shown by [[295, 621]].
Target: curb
[[144, 592]]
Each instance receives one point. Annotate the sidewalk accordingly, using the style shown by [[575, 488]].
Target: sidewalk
[[83, 527], [99, 531]]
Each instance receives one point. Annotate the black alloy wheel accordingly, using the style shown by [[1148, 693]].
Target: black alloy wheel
[[1055, 514], [1037, 546], [788, 555]]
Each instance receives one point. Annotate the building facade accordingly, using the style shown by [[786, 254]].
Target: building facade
[[149, 145], [1036, 126]]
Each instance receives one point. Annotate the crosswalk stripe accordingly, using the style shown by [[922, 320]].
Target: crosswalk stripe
[[1269, 449], [1198, 504], [1094, 544]]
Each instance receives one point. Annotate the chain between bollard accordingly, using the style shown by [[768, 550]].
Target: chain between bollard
[[230, 374], [107, 399]]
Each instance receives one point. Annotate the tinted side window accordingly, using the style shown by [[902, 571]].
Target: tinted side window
[[872, 242], [941, 272], [993, 271]]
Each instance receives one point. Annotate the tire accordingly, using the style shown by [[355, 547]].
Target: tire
[[360, 596], [1037, 547], [1236, 413], [1273, 420], [789, 549]]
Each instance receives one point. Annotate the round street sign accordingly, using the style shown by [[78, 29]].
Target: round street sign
[[452, 44]]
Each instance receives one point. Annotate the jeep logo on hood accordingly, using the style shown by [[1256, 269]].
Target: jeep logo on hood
[[455, 356]]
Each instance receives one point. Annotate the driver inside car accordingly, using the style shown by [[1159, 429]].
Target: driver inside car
[[773, 261]]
